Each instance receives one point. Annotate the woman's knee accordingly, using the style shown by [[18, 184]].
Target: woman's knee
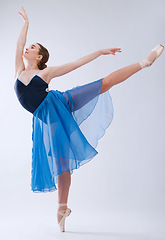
[[106, 85]]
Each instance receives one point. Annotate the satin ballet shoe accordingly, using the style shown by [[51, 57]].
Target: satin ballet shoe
[[65, 213], [152, 57]]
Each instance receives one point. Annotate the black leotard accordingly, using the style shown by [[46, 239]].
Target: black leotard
[[30, 96]]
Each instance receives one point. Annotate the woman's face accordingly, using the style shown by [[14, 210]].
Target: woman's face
[[31, 53]]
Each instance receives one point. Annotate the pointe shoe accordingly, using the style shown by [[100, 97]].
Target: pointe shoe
[[152, 56], [65, 213]]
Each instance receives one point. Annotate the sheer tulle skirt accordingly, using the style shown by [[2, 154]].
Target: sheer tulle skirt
[[66, 128]]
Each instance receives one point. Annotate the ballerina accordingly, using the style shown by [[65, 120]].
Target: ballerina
[[59, 143]]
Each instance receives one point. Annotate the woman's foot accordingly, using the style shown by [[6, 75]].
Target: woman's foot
[[62, 213], [61, 209], [153, 55]]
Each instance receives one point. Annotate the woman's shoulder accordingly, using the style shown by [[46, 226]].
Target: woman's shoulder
[[44, 73], [18, 72]]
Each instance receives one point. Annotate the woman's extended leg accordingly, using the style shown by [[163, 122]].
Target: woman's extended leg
[[64, 182], [119, 76], [124, 73]]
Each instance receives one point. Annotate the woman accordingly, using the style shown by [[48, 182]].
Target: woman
[[59, 145]]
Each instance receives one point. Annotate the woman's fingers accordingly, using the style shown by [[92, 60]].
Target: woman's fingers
[[21, 14], [24, 15], [111, 51], [117, 49], [24, 11]]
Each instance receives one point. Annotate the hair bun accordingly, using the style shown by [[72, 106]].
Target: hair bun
[[41, 65], [44, 52]]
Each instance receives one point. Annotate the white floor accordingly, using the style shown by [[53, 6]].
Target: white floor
[[113, 227]]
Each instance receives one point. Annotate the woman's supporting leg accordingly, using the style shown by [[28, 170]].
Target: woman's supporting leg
[[119, 76], [64, 182]]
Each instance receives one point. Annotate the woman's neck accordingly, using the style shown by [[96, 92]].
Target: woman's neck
[[32, 66]]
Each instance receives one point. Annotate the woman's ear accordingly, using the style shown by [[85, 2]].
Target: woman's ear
[[39, 57]]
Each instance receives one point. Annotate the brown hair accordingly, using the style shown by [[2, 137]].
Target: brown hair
[[44, 52]]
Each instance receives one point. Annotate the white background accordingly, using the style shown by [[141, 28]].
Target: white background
[[120, 194]]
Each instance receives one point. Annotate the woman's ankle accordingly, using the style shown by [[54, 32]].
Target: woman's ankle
[[62, 206]]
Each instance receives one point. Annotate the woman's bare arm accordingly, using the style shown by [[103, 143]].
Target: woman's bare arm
[[57, 71], [19, 64]]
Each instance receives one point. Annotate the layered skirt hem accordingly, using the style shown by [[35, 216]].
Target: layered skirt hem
[[66, 128]]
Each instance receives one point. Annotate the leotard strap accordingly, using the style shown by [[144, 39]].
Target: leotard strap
[[38, 72], [19, 74]]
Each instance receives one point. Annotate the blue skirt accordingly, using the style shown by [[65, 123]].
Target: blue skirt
[[66, 128]]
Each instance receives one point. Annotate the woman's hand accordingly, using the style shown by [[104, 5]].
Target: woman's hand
[[110, 51], [24, 15]]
